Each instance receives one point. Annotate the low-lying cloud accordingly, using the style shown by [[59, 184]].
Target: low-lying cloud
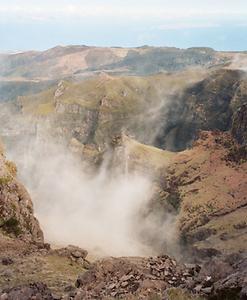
[[102, 213]]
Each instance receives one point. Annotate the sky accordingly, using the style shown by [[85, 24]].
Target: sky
[[42, 24]]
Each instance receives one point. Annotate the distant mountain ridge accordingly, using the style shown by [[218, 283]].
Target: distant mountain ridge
[[59, 62]]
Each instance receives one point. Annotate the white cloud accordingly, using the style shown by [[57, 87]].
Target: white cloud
[[58, 10], [45, 23]]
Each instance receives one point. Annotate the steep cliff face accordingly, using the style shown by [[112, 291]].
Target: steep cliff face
[[207, 105], [16, 208]]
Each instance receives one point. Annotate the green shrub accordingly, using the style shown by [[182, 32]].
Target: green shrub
[[11, 226], [5, 180]]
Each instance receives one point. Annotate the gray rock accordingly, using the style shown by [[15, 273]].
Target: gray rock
[[207, 290], [198, 288]]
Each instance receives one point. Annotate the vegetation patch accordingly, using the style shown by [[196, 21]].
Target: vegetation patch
[[179, 294], [11, 167], [171, 186], [5, 180], [11, 226]]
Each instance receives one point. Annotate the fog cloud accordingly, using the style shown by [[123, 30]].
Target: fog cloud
[[102, 213]]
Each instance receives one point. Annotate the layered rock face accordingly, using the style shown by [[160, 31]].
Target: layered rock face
[[16, 208]]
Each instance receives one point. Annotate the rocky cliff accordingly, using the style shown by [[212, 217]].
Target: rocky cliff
[[16, 209]]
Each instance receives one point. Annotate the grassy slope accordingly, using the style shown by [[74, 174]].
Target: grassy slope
[[144, 155]]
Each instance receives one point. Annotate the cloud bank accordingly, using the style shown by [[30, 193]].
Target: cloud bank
[[57, 10]]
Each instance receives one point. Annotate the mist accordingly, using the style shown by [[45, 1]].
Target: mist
[[101, 211], [239, 62]]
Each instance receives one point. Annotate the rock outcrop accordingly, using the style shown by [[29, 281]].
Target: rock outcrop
[[75, 254], [226, 277], [16, 208]]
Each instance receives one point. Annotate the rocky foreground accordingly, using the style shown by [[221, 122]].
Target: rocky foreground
[[161, 278], [146, 278]]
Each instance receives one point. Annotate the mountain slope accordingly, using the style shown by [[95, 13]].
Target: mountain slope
[[211, 190]]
